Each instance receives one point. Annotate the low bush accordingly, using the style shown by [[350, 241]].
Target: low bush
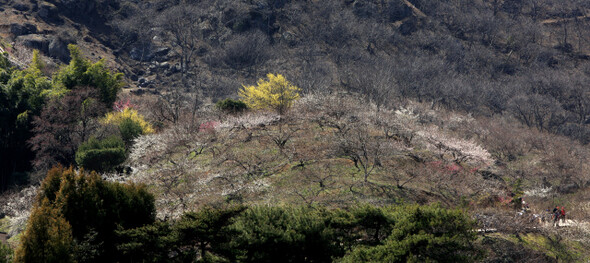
[[231, 106], [101, 155]]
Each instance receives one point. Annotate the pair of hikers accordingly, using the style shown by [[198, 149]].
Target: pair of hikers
[[558, 214]]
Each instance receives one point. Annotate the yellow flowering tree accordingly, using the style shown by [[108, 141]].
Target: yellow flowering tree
[[275, 92], [131, 124]]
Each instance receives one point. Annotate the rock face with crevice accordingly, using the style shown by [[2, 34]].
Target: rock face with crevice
[[58, 48], [35, 41]]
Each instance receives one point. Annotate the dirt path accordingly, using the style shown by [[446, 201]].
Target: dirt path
[[567, 223]]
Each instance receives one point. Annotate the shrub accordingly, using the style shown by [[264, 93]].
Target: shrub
[[206, 232], [404, 233], [83, 207], [423, 234], [116, 118], [275, 234], [129, 130], [131, 124], [101, 155], [231, 106], [276, 93], [149, 243], [5, 253]]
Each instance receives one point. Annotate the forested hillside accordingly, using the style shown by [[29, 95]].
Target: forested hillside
[[294, 130]]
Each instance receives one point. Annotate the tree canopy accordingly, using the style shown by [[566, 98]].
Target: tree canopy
[[276, 93], [79, 212]]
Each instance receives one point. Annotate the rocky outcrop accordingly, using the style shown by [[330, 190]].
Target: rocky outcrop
[[22, 29], [54, 47], [142, 53], [21, 7], [48, 12], [34, 41], [58, 48]]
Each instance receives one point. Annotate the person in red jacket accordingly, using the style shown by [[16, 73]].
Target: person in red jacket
[[563, 214]]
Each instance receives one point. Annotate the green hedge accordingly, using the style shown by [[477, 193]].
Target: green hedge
[[101, 155]]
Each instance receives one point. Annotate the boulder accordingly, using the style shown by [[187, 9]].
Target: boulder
[[58, 48], [77, 8], [48, 12], [175, 68], [408, 27], [165, 65], [490, 175], [34, 41], [161, 52], [138, 92], [21, 7], [141, 54], [24, 29], [398, 11]]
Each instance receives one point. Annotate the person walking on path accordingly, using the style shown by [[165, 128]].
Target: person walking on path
[[563, 214], [556, 215]]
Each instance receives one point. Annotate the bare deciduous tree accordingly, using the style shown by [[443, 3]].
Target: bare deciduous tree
[[542, 112], [180, 28], [247, 51], [362, 148]]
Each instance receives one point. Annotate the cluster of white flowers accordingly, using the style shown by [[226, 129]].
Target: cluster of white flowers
[[145, 145], [257, 185], [538, 192], [406, 114], [250, 120], [456, 121], [18, 208], [468, 150]]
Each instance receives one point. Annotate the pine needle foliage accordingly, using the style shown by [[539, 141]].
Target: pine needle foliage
[[77, 215], [48, 237], [422, 234], [276, 93]]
